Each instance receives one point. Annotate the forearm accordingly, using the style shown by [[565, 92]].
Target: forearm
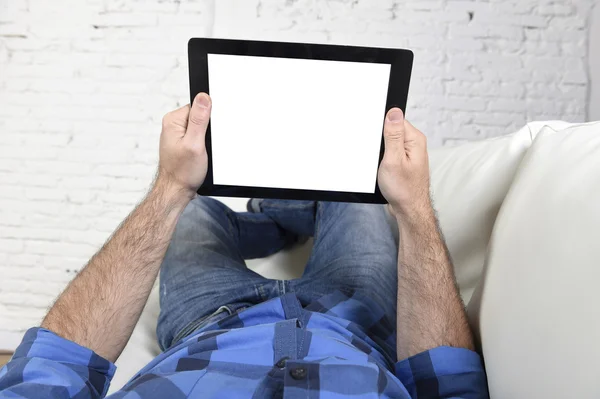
[[430, 310], [102, 305]]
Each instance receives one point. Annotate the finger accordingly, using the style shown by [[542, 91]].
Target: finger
[[394, 134], [178, 117], [413, 137], [199, 116]]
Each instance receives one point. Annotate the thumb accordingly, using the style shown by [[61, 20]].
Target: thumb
[[394, 133], [199, 116]]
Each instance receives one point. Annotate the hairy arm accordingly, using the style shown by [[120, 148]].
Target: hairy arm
[[430, 311], [102, 305]]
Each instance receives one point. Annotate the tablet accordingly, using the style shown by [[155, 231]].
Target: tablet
[[296, 121]]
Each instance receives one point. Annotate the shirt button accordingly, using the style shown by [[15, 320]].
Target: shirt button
[[281, 363], [298, 373]]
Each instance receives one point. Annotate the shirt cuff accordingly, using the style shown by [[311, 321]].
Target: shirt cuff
[[44, 344], [444, 372]]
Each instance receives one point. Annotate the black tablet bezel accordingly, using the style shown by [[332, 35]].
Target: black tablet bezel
[[401, 66]]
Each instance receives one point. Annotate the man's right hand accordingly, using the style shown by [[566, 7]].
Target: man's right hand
[[403, 175]]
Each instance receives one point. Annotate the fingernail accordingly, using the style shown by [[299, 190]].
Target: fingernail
[[202, 100], [396, 115]]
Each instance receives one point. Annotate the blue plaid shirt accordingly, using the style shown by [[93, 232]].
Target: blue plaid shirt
[[337, 347]]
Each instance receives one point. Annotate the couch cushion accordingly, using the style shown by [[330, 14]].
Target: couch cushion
[[536, 309], [468, 185]]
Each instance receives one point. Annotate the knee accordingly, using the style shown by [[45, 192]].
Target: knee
[[202, 213], [205, 208]]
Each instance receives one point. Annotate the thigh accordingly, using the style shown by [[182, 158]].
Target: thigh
[[203, 270], [354, 251]]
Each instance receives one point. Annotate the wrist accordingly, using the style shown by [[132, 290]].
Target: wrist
[[417, 212], [170, 193], [418, 221]]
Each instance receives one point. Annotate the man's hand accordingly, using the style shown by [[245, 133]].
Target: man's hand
[[404, 171], [183, 160]]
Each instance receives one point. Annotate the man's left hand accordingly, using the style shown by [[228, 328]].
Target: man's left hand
[[183, 159]]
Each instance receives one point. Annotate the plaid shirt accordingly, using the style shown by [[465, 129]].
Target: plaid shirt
[[337, 347]]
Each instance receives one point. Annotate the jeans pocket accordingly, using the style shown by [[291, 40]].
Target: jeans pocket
[[201, 322]]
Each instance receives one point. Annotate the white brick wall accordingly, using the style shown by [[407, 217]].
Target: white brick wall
[[84, 85]]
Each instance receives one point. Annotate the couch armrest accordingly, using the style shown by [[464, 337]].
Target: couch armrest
[[536, 307]]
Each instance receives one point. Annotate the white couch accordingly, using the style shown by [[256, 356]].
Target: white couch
[[520, 214]]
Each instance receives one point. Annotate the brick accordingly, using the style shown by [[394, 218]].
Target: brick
[[39, 193], [542, 48], [141, 60], [458, 70], [24, 299], [21, 57], [501, 104], [179, 20], [58, 248], [141, 171], [10, 219], [115, 155], [463, 103], [84, 182], [81, 196], [69, 85], [25, 260], [116, 74], [115, 197], [531, 21], [11, 246], [493, 118], [23, 232], [206, 6], [16, 84], [58, 167], [553, 10], [425, 5], [45, 139], [453, 142], [28, 179], [562, 35], [127, 184], [466, 44], [45, 71], [38, 99], [53, 221], [145, 157], [94, 238], [13, 30], [470, 31], [22, 152], [12, 191], [11, 111], [123, 20], [506, 32]]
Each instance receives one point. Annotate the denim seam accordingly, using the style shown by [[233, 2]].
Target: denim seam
[[318, 215], [282, 287], [253, 220], [261, 293]]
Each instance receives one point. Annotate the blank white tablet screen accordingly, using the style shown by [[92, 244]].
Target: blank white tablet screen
[[296, 124]]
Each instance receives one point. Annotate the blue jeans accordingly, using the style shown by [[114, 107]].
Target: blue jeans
[[203, 276]]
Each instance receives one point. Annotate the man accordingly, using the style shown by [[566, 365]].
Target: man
[[362, 304]]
